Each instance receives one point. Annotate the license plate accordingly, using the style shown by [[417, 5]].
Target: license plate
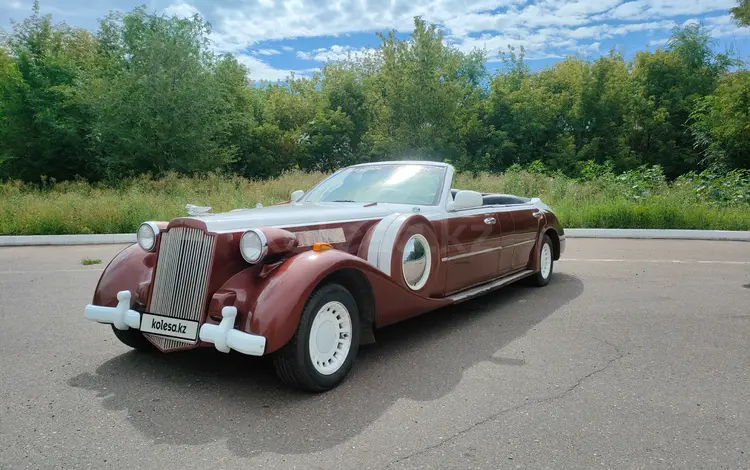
[[169, 327]]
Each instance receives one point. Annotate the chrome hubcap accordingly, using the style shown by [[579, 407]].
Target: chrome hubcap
[[546, 261], [330, 338]]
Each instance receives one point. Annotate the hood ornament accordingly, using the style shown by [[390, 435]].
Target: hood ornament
[[197, 210]]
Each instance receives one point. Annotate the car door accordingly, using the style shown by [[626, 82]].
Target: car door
[[527, 220], [505, 219], [473, 241]]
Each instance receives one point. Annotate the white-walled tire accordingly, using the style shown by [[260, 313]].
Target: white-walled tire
[[322, 351], [546, 264]]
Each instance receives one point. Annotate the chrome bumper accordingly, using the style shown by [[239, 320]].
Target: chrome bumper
[[121, 316], [223, 336]]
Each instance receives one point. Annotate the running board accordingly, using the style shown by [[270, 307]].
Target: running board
[[484, 288]]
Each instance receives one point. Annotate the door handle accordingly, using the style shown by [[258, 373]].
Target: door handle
[[490, 221], [537, 214]]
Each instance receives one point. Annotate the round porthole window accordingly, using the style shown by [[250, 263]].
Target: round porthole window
[[416, 262]]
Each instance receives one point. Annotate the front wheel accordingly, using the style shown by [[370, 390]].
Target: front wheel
[[133, 338], [546, 262], [322, 351]]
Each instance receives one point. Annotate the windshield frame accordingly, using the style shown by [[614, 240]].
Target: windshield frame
[[439, 194]]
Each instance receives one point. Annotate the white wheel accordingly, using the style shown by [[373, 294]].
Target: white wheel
[[330, 338], [546, 260], [546, 264], [322, 351]]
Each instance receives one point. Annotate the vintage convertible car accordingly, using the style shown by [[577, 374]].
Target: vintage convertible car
[[309, 280]]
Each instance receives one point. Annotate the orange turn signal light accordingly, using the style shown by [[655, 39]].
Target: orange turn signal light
[[321, 246]]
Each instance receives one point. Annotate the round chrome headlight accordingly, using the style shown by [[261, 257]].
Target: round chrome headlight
[[146, 236], [416, 262], [253, 246]]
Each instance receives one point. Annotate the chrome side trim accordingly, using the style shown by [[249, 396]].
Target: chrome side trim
[[473, 253], [519, 244], [288, 226], [487, 250], [492, 285]]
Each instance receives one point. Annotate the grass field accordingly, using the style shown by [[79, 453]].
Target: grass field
[[636, 200]]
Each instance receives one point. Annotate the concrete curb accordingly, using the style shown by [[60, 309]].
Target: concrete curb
[[657, 234], [124, 238], [39, 240]]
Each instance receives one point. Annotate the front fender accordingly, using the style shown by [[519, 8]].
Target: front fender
[[131, 269], [276, 296]]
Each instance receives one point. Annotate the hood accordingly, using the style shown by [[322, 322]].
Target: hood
[[289, 215]]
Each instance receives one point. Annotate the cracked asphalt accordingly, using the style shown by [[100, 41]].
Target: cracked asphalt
[[636, 355]]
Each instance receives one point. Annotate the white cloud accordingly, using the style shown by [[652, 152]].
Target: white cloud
[[546, 28], [724, 27], [181, 10], [334, 53], [259, 70], [648, 9], [658, 42]]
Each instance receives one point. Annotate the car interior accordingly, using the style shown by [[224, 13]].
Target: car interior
[[490, 199]]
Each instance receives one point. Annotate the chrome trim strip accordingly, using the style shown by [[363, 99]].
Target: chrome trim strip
[[519, 244], [288, 226], [488, 286], [487, 250], [466, 255]]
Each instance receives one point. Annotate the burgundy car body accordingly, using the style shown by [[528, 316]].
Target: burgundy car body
[[200, 271]]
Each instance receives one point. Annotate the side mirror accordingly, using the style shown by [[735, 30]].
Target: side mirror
[[466, 200], [296, 195]]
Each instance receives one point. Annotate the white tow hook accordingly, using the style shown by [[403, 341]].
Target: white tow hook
[[217, 334], [121, 316]]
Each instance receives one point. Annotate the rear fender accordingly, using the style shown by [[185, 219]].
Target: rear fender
[[554, 230], [276, 295]]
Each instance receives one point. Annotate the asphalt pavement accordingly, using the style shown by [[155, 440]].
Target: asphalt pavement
[[636, 355]]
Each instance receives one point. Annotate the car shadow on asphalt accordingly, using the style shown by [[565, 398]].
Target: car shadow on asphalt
[[203, 396]]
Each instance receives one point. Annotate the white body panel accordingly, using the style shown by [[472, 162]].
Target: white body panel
[[290, 215]]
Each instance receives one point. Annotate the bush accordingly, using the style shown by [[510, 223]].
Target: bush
[[640, 198]]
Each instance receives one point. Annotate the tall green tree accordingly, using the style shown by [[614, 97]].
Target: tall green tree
[[163, 100], [666, 87], [721, 123], [424, 91], [44, 125]]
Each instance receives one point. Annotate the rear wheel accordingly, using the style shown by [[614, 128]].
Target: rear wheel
[[322, 351], [546, 262], [133, 338]]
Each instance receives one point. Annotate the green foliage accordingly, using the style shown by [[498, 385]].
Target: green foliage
[[741, 13], [146, 94], [170, 105], [602, 199], [721, 123]]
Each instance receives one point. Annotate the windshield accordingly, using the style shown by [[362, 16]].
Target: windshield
[[387, 183]]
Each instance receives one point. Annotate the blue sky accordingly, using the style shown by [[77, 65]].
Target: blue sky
[[274, 37]]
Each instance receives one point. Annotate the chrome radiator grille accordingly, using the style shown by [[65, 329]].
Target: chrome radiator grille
[[181, 282]]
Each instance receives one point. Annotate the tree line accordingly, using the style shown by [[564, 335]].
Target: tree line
[[145, 93]]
